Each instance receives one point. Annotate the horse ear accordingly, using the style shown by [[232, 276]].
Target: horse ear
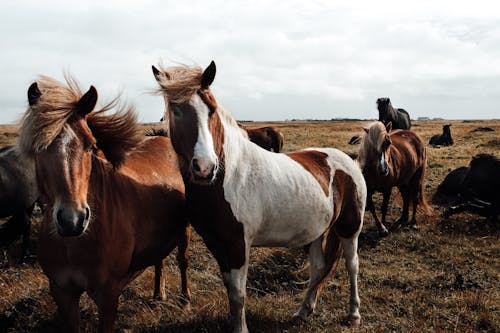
[[208, 75], [33, 93], [88, 101], [388, 126], [159, 74], [156, 71]]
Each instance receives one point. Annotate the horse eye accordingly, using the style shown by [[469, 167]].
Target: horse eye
[[211, 112], [92, 149], [176, 111]]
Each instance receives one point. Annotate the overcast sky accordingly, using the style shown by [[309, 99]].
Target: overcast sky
[[276, 60]]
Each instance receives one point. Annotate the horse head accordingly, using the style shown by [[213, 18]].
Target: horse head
[[194, 119], [55, 131], [61, 132], [374, 150]]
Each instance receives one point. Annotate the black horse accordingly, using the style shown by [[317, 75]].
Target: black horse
[[450, 189], [444, 139], [480, 193], [18, 194], [399, 118]]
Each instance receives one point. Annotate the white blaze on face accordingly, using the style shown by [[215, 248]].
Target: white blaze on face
[[204, 152]]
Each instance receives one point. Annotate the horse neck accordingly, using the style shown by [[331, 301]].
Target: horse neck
[[234, 139]]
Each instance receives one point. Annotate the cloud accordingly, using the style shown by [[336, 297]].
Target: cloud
[[275, 59]]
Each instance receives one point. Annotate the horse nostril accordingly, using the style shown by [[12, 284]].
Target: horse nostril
[[196, 166], [59, 215], [87, 213]]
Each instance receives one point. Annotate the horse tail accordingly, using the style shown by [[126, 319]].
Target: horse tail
[[281, 139], [332, 253], [276, 135], [422, 201]]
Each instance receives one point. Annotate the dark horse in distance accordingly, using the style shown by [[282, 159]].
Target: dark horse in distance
[[399, 118], [443, 139], [18, 193], [114, 198]]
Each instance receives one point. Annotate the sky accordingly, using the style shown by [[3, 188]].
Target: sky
[[276, 60]]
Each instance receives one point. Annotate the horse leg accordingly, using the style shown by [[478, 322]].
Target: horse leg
[[107, 305], [414, 198], [382, 230], [235, 281], [26, 230], [68, 307], [350, 246], [386, 196], [316, 277], [182, 261], [159, 291], [405, 194]]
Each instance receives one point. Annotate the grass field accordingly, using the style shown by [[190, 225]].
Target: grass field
[[443, 277]]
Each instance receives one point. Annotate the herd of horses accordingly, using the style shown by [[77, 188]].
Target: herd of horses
[[115, 201]]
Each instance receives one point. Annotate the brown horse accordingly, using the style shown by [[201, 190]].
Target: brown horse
[[239, 195], [269, 138], [108, 218], [393, 159]]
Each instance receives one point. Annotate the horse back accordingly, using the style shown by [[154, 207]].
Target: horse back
[[154, 162]]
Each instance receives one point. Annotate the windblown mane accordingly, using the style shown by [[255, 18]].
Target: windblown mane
[[369, 140], [181, 82], [116, 134], [44, 120]]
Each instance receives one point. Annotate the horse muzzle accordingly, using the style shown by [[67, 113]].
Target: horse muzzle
[[71, 222], [204, 172]]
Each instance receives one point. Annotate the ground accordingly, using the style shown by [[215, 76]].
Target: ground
[[443, 277]]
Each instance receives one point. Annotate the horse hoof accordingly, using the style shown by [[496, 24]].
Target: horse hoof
[[355, 322], [299, 316], [186, 306], [383, 232]]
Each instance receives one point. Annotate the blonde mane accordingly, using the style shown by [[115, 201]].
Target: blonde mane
[[116, 134], [369, 140], [179, 83], [44, 120]]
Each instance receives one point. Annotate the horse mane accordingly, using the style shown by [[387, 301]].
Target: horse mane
[[370, 139], [180, 83], [44, 120], [116, 134]]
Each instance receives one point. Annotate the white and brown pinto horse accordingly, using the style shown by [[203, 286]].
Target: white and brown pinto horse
[[240, 195], [115, 199]]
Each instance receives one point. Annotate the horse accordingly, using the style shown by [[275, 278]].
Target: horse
[[269, 138], [391, 159], [115, 198], [239, 195], [451, 187], [399, 118], [479, 193], [18, 194], [444, 139]]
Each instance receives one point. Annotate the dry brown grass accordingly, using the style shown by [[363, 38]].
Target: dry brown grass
[[443, 277]]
